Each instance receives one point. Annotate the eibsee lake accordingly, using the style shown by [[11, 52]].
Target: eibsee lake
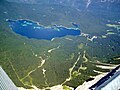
[[32, 29]]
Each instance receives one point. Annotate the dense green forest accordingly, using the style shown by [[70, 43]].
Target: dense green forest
[[29, 62]]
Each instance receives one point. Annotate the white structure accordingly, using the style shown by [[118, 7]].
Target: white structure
[[109, 82], [5, 81]]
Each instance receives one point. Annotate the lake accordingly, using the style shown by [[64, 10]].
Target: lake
[[33, 29]]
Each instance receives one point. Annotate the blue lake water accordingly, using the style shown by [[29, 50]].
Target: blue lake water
[[32, 29]]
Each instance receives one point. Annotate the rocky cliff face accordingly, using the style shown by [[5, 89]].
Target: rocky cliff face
[[79, 4], [69, 2]]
